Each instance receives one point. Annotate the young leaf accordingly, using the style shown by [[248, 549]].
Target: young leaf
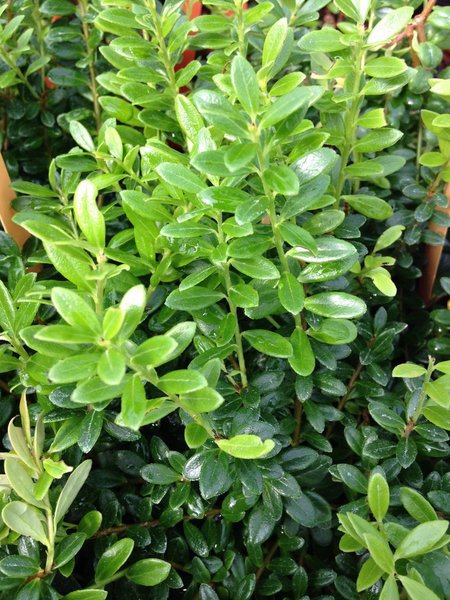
[[89, 218], [380, 552], [421, 539], [148, 572], [391, 24], [378, 496], [70, 491], [246, 446], [416, 590], [245, 84], [74, 310], [113, 558], [25, 520], [133, 404]]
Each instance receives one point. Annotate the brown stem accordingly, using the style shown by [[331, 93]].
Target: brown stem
[[267, 560], [343, 400], [149, 524], [417, 24], [298, 412]]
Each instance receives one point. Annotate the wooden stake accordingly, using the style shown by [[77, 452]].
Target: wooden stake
[[7, 195]]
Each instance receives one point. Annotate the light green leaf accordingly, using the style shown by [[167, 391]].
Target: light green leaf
[[245, 84], [416, 590], [75, 310], [113, 558], [408, 370], [70, 491], [89, 218], [380, 552], [25, 520], [182, 381], [338, 305], [268, 342], [378, 496], [421, 539], [246, 446], [370, 206], [149, 571], [391, 24]]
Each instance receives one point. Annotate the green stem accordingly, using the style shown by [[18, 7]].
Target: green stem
[[233, 310], [350, 118], [242, 41], [101, 584], [91, 62], [162, 47], [51, 538], [423, 393]]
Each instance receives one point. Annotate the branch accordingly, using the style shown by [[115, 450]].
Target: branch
[[417, 23]]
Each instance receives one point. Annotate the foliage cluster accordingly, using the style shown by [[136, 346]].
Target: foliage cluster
[[222, 383]]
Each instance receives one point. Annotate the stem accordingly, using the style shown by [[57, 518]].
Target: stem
[[233, 309], [37, 20], [162, 47], [51, 538], [11, 64], [350, 119], [242, 41], [91, 61], [423, 393]]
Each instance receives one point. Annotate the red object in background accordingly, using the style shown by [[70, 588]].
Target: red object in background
[[49, 84]]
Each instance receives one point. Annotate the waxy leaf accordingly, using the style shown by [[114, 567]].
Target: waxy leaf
[[246, 446]]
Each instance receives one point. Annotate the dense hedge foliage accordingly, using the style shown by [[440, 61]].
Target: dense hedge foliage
[[222, 382]]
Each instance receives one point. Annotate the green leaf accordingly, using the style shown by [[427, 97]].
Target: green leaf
[[86, 594], [369, 574], [81, 135], [89, 218], [19, 566], [25, 520], [245, 84], [380, 552], [246, 446], [71, 489], [203, 400], [282, 180], [7, 312], [372, 119], [290, 293], [195, 435], [214, 107], [68, 548], [111, 366], [355, 9], [370, 206], [385, 66], [378, 496], [421, 539], [238, 156], [390, 589], [188, 117], [438, 415], [114, 142], [159, 474], [243, 295], [113, 558], [432, 159], [334, 332], [273, 42], [327, 249], [182, 382], [90, 430], [181, 177], [374, 141], [74, 368], [268, 342], [417, 506], [257, 268], [289, 103], [20, 481], [388, 237], [408, 370], [194, 298], [416, 590], [302, 360], [134, 403], [74, 310], [148, 572], [338, 305], [438, 391], [325, 40], [154, 351], [391, 24]]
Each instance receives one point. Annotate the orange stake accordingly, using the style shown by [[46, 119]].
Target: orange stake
[[7, 195]]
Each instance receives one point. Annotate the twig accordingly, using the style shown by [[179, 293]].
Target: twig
[[149, 524], [343, 400], [267, 560], [417, 24]]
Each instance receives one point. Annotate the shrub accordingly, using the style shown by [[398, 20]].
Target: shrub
[[229, 270]]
